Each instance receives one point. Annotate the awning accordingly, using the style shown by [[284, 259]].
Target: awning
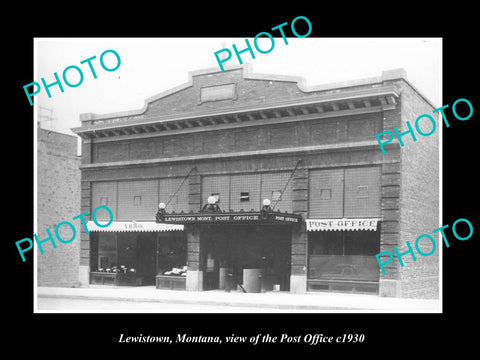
[[342, 224], [133, 226]]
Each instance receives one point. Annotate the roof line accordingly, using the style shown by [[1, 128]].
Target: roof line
[[353, 94], [247, 74]]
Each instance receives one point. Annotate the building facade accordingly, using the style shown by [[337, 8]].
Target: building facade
[[263, 184], [58, 199]]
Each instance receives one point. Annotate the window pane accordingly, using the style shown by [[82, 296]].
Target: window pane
[[244, 196], [362, 242], [326, 242], [107, 249]]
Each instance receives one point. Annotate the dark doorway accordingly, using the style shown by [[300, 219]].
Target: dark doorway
[[146, 257], [231, 249]]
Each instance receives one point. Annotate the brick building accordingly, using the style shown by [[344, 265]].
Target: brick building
[[58, 199], [206, 155]]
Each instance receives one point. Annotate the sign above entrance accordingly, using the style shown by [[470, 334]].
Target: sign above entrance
[[233, 218], [341, 224]]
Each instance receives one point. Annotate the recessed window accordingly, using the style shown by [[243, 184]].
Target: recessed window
[[362, 192], [244, 196], [218, 92], [325, 194], [137, 201]]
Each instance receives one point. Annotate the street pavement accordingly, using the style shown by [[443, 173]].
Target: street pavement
[[63, 304], [151, 300]]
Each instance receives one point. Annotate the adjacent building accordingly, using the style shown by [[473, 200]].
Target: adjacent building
[[58, 199], [258, 182]]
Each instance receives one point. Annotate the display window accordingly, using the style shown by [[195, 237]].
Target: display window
[[172, 254], [138, 256], [343, 255]]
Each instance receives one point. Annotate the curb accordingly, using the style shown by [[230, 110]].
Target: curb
[[203, 302]]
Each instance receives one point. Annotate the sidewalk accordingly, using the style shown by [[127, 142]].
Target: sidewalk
[[321, 301]]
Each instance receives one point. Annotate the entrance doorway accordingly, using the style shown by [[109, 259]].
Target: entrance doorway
[[146, 257], [229, 250]]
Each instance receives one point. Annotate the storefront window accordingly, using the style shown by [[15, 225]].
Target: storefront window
[[137, 257], [107, 251], [127, 250], [172, 254], [361, 243], [343, 255]]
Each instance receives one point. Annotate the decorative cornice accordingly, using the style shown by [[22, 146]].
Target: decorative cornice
[[325, 105], [247, 74]]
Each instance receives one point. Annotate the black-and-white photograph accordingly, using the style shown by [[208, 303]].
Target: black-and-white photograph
[[274, 174]]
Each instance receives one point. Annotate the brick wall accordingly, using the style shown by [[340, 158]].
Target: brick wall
[[248, 93], [275, 136], [58, 199], [419, 198]]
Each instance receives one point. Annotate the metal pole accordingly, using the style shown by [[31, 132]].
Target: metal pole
[[178, 189], [285, 187]]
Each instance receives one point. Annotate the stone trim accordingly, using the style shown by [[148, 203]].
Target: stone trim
[[363, 145]]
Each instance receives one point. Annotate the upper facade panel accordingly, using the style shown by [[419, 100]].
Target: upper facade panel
[[217, 91], [237, 97]]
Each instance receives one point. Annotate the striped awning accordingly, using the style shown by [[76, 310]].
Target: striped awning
[[342, 224], [132, 226]]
